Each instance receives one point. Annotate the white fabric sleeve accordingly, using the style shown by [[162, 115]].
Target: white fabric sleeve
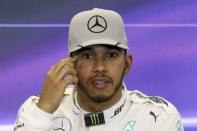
[[32, 118], [171, 123]]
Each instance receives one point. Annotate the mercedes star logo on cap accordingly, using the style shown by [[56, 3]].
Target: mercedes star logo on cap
[[97, 24]]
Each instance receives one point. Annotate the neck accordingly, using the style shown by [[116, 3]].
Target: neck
[[93, 106]]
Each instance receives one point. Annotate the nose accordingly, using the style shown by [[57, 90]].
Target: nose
[[99, 65]]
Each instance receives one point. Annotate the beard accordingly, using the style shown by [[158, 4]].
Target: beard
[[101, 98]]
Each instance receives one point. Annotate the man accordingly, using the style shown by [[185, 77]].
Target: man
[[85, 91]]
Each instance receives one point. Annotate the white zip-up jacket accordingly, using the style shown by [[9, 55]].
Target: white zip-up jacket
[[133, 112]]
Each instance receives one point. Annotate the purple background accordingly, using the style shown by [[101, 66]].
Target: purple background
[[165, 58]]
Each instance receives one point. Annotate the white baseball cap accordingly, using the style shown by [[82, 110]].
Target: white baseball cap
[[96, 26]]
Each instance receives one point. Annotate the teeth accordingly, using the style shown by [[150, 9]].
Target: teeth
[[99, 82]]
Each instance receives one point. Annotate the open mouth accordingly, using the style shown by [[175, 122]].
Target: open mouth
[[100, 83]]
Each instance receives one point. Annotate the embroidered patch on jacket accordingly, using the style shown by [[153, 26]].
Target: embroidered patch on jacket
[[61, 124], [179, 126], [129, 126], [94, 119]]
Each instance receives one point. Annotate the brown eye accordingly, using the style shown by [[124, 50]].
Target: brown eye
[[87, 56], [112, 54]]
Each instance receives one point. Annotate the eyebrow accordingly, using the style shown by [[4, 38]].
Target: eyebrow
[[91, 48], [106, 46], [84, 49]]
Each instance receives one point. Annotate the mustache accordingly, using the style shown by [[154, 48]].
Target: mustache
[[100, 76]]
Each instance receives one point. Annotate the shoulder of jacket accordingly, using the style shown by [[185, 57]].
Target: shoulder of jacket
[[35, 98], [155, 101], [31, 100]]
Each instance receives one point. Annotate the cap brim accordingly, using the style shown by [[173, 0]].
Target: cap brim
[[99, 42]]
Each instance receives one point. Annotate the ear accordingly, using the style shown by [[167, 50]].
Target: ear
[[128, 63]]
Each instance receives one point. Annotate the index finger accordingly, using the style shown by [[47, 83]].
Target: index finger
[[67, 61], [70, 59]]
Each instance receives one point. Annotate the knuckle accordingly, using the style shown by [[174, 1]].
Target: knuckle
[[48, 74], [76, 80], [69, 70], [68, 78]]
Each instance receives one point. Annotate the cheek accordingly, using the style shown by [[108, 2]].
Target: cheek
[[83, 70], [116, 70]]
